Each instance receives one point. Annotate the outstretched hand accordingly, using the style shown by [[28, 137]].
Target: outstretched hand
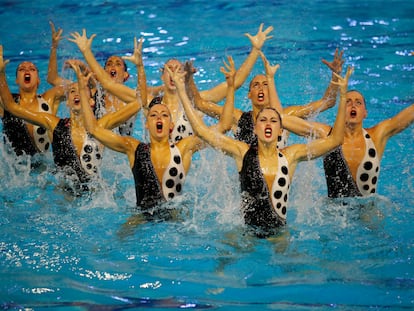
[[337, 63], [136, 57], [3, 63], [56, 35], [177, 75], [270, 70], [229, 70], [68, 64], [259, 39], [81, 71], [343, 81], [82, 41], [74, 64]]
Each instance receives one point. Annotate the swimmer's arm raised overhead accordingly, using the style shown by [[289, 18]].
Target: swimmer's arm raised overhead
[[113, 119], [120, 90], [301, 127], [270, 70], [123, 144], [329, 98], [142, 86], [321, 146], [226, 119], [60, 84], [42, 119], [390, 127], [136, 58], [217, 93], [192, 143], [53, 77], [225, 122], [190, 86], [210, 108], [234, 148]]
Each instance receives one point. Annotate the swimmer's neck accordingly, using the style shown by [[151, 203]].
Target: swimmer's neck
[[255, 112], [28, 97], [352, 130], [267, 150], [76, 120], [159, 143]]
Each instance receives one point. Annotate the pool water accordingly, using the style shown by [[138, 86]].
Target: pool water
[[75, 253]]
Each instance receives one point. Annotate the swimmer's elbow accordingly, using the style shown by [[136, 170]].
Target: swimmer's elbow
[[338, 139], [224, 128]]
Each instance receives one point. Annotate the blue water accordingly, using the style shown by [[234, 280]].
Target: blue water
[[64, 253]]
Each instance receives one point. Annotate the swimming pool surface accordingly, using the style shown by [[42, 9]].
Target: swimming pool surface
[[59, 252]]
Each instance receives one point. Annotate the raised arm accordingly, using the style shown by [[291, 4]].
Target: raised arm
[[208, 107], [329, 98], [291, 123], [390, 127], [217, 93], [216, 139], [305, 128], [4, 89], [120, 90], [224, 113], [321, 146], [57, 94], [5, 94], [136, 58], [270, 70], [42, 119], [115, 119], [106, 137], [53, 77], [226, 119]]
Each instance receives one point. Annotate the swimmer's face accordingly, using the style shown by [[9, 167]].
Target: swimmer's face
[[116, 68], [27, 76], [259, 92], [159, 122], [172, 64], [356, 110], [268, 125], [73, 97]]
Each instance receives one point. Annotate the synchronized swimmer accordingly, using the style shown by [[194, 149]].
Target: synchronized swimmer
[[103, 111]]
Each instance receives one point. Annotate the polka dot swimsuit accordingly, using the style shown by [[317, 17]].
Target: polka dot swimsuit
[[182, 128], [174, 176], [368, 170], [91, 155], [264, 210], [40, 137], [65, 154], [282, 139], [280, 187]]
